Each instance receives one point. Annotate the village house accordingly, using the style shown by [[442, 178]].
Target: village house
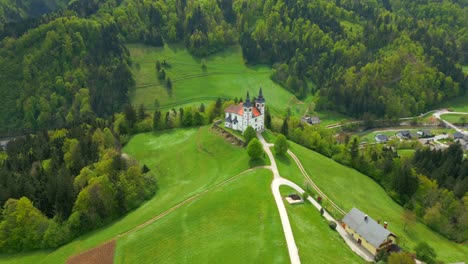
[[367, 232], [239, 117], [311, 120], [404, 134], [380, 138]]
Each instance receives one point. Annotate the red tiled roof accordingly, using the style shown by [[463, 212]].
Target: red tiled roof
[[239, 110], [256, 112], [235, 109]]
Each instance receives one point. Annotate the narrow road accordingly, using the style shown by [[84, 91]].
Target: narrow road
[[346, 237], [277, 182], [441, 112]]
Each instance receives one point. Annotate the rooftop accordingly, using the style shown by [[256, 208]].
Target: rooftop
[[368, 228]]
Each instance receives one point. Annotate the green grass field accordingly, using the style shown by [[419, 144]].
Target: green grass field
[[226, 76], [349, 188], [454, 118], [178, 179], [238, 222], [316, 242]]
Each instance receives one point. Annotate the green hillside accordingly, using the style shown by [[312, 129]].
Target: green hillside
[[349, 188], [317, 243], [234, 223], [178, 179], [225, 76]]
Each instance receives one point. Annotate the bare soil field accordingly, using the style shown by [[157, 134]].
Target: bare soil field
[[103, 254]]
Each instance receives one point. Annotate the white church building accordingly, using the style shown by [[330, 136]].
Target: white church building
[[239, 117]]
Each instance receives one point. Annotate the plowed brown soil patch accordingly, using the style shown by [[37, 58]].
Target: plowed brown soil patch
[[99, 255]]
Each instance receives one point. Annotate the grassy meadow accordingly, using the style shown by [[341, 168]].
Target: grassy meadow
[[454, 118], [225, 75], [235, 223], [348, 188], [316, 242], [178, 179]]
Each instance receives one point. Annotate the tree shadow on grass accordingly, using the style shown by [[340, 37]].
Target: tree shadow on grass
[[283, 159], [258, 162]]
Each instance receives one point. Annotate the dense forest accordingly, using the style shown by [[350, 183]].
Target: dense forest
[[373, 59], [59, 184]]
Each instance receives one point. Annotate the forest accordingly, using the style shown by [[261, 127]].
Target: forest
[[59, 184], [373, 59]]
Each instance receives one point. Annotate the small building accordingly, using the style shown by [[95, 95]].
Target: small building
[[458, 135], [381, 138], [294, 199], [424, 133], [367, 232], [405, 134], [311, 120]]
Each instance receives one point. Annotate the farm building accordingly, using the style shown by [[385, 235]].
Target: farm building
[[367, 232]]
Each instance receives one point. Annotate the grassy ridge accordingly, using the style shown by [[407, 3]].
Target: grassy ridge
[[226, 75], [235, 223], [349, 188], [317, 243], [177, 157]]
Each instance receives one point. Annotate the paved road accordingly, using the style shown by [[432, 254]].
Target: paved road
[[277, 182], [441, 112], [347, 238]]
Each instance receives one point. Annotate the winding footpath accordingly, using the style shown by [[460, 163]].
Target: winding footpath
[[279, 181]]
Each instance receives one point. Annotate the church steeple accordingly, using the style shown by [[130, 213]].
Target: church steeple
[[247, 102], [260, 98]]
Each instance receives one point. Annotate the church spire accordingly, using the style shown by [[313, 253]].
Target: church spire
[[260, 98], [247, 102]]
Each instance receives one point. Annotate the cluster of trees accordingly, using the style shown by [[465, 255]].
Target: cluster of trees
[[50, 72], [59, 184], [205, 27], [15, 11], [432, 185]]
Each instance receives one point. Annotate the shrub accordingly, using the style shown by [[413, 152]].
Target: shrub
[[281, 145], [332, 225], [255, 149], [425, 253], [249, 134]]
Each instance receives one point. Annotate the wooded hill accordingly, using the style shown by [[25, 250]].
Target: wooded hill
[[365, 59]]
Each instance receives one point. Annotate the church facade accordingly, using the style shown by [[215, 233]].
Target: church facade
[[239, 117]]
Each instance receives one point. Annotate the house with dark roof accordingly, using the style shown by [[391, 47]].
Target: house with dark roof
[[239, 117], [424, 133], [367, 232], [405, 134], [311, 120], [458, 135], [381, 138]]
